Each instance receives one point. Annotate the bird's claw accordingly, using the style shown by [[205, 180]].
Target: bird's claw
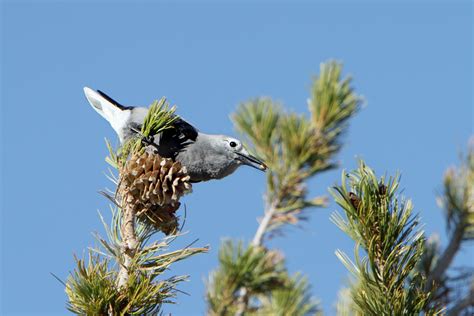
[[146, 140]]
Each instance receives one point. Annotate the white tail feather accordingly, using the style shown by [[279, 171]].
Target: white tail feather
[[117, 117]]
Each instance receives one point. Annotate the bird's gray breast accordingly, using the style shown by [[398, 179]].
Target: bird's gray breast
[[200, 153], [204, 162]]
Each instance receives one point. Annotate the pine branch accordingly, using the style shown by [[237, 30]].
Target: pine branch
[[263, 227], [462, 304], [159, 117], [255, 269], [295, 148], [292, 299], [242, 302], [345, 304], [333, 102], [458, 203], [143, 208], [128, 246], [446, 258], [92, 287], [382, 224]]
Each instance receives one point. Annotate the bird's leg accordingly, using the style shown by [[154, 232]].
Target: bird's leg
[[148, 140]]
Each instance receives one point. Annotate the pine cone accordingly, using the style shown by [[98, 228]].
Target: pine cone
[[153, 185], [355, 201]]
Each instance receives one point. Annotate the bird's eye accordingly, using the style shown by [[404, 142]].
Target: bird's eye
[[233, 144]]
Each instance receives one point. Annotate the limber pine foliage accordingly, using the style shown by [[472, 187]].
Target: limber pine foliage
[[124, 275], [383, 226], [253, 279], [454, 287], [416, 269]]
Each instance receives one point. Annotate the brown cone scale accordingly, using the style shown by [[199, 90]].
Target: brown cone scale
[[153, 185]]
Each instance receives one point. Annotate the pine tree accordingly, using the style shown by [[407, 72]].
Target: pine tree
[[252, 279], [402, 272], [124, 274], [453, 286], [396, 270], [389, 245]]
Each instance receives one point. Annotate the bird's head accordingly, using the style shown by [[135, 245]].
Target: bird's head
[[234, 149]]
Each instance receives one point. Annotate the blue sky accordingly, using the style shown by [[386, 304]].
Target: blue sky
[[412, 61]]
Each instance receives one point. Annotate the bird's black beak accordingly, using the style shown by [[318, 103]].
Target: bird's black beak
[[252, 161]]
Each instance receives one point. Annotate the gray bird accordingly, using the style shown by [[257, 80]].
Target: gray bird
[[205, 156]]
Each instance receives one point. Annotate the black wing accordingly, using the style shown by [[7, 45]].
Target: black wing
[[168, 143], [174, 140]]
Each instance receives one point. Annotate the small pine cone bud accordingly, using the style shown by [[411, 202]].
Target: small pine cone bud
[[154, 185], [355, 201], [382, 189], [161, 217]]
